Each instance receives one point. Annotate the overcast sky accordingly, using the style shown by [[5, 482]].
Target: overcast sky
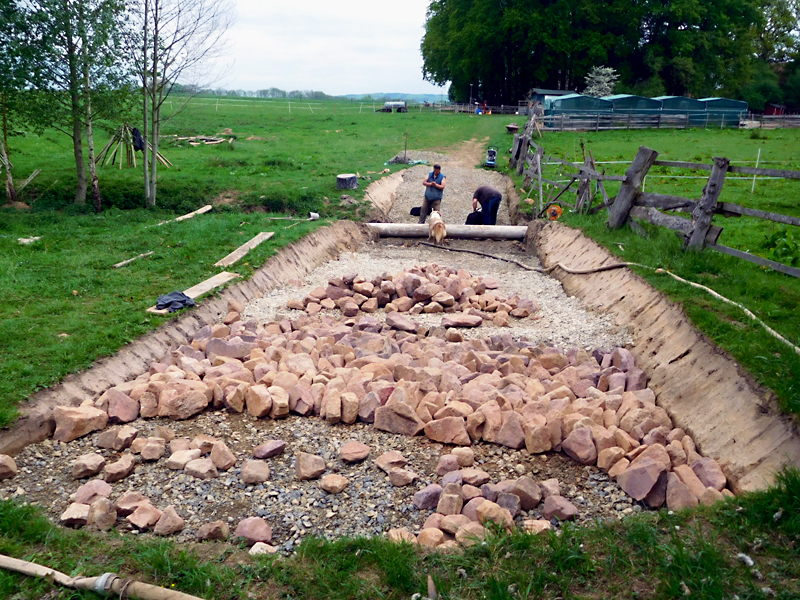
[[344, 47]]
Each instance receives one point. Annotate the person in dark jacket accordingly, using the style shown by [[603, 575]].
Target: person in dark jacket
[[434, 190], [489, 198]]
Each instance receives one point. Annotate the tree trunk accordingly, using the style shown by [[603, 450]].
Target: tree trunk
[[87, 104], [145, 150], [155, 110], [75, 111], [11, 192]]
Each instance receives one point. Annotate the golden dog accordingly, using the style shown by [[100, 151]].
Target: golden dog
[[437, 230]]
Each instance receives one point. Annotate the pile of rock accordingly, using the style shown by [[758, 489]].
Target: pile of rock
[[431, 289], [404, 379]]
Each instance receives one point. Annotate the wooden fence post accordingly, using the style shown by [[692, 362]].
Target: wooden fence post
[[618, 212], [512, 162], [702, 213], [523, 153]]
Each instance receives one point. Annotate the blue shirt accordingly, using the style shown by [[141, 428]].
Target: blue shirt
[[432, 193]]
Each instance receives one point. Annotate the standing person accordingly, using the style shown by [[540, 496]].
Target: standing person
[[489, 199], [434, 190]]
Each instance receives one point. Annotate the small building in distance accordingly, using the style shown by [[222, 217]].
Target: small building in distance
[[724, 112]]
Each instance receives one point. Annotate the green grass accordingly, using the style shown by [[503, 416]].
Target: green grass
[[654, 555], [772, 296]]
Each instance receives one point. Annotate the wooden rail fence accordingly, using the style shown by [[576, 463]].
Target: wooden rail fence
[[631, 202]]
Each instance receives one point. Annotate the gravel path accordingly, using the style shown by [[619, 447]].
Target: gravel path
[[462, 180]]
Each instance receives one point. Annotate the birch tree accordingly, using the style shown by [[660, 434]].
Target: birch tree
[[176, 41]]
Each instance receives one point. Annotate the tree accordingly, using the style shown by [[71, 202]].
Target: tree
[[76, 61], [601, 81], [175, 40]]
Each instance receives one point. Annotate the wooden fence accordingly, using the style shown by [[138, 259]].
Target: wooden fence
[[585, 121], [633, 203]]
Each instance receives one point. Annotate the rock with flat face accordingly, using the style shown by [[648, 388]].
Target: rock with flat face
[[528, 491], [471, 534], [92, 491], [269, 449], [76, 515], [222, 457], [154, 448], [73, 422], [449, 430], [121, 407], [333, 483], [102, 515], [144, 517], [559, 507], [511, 433], [398, 418], [353, 451], [255, 471], [678, 494], [401, 477], [308, 466], [218, 530], [129, 502], [169, 523], [179, 459], [491, 512], [401, 535], [709, 472], [428, 497], [120, 469], [638, 479], [579, 445], [476, 477], [430, 537], [87, 465], [390, 460], [450, 501], [397, 321], [183, 406], [461, 320], [254, 529], [201, 468]]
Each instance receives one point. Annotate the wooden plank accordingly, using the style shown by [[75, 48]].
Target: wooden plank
[[524, 142], [794, 272], [705, 208], [675, 223], [727, 207], [199, 211], [202, 288], [130, 260], [618, 213], [512, 162], [663, 201], [244, 249], [784, 173], [510, 232]]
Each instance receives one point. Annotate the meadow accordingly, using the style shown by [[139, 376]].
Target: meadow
[[64, 306]]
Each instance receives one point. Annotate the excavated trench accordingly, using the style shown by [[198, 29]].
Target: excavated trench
[[701, 389]]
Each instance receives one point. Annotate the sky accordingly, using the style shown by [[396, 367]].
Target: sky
[[337, 47]]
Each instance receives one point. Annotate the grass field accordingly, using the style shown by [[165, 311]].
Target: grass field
[[772, 296]]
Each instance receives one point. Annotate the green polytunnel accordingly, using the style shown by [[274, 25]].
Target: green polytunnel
[[682, 105], [577, 103], [635, 105], [724, 112]]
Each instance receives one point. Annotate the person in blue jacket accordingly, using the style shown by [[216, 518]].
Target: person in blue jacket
[[489, 198], [434, 190]]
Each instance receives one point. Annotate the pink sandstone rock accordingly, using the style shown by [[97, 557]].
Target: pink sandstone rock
[[254, 529], [466, 456], [390, 460], [218, 530], [91, 491], [120, 469], [333, 483], [153, 449], [121, 407], [401, 535], [179, 459], [222, 457], [709, 472], [491, 512], [638, 479], [579, 445], [308, 466], [201, 468], [427, 497], [401, 477], [678, 494], [398, 418], [102, 516], [128, 502], [353, 451], [255, 472], [476, 477], [73, 422], [269, 449], [144, 517], [559, 507], [449, 430], [76, 515], [528, 491], [87, 465], [169, 523], [511, 433], [183, 406], [450, 500], [430, 537], [461, 320]]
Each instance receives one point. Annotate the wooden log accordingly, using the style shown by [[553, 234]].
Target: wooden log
[[618, 213], [523, 152], [673, 222], [786, 269], [506, 232], [130, 260], [704, 211], [190, 215], [346, 181], [663, 201], [512, 162], [583, 190], [728, 209], [244, 249]]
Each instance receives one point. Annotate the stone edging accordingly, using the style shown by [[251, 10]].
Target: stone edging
[[295, 261], [701, 387]]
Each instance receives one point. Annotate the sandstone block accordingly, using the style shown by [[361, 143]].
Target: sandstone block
[[255, 472], [353, 451], [579, 445], [390, 460], [398, 418], [427, 497], [169, 523], [559, 507], [222, 457], [73, 422], [430, 537], [450, 500], [401, 477], [76, 515], [254, 529], [476, 477], [218, 531], [401, 535], [308, 466], [102, 516], [709, 472], [178, 460], [120, 469], [87, 465], [201, 468], [269, 449], [638, 479], [491, 512], [333, 483], [528, 491], [144, 517], [678, 494], [449, 430], [471, 534]]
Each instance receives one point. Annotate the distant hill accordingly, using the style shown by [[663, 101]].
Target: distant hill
[[384, 96]]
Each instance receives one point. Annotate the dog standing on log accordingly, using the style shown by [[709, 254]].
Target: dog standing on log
[[437, 230]]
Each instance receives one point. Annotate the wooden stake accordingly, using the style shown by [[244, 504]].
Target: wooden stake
[[130, 260]]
